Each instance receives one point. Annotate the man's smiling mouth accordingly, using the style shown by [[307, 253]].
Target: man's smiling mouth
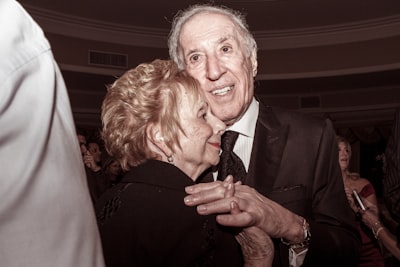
[[222, 91]]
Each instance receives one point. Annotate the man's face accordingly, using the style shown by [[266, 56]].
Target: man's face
[[214, 54], [95, 151], [82, 143]]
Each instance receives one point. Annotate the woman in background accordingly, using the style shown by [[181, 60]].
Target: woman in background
[[371, 255], [112, 171]]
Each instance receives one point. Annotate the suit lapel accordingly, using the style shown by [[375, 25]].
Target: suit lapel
[[269, 143]]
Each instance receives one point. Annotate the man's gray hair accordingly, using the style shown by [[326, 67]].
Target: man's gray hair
[[180, 19]]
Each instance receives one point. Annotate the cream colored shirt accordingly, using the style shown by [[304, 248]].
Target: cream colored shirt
[[246, 128]]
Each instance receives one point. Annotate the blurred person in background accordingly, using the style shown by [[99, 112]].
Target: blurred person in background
[[112, 170], [371, 218], [91, 157], [371, 254]]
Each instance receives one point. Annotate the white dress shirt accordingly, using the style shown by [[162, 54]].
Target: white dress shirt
[[246, 128]]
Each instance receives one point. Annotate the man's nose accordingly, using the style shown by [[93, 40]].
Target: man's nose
[[215, 68]]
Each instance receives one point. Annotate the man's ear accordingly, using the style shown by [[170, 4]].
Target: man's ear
[[254, 62]]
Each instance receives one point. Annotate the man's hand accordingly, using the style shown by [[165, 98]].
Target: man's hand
[[88, 160]]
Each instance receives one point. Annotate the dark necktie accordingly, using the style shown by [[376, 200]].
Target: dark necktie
[[230, 163]]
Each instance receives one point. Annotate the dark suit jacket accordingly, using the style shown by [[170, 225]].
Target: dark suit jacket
[[143, 222], [294, 162]]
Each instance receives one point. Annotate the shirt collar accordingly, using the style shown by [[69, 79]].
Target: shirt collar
[[247, 123]]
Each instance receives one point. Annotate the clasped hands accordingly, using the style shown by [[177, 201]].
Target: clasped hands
[[241, 206]]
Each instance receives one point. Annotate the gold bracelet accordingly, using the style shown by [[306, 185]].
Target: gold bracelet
[[376, 223], [376, 233]]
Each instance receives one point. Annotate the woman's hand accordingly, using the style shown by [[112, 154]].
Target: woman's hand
[[350, 199], [257, 246], [371, 215]]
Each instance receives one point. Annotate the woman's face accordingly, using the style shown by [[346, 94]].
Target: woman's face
[[344, 156], [114, 168], [201, 137]]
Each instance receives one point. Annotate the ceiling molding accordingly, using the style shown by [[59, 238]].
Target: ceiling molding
[[268, 76], [328, 73], [78, 27], [92, 69], [330, 35]]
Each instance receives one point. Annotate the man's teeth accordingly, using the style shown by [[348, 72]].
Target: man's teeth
[[222, 90]]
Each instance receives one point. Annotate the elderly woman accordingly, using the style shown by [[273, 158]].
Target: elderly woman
[[158, 125]]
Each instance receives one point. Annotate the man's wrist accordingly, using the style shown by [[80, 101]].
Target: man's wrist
[[304, 243]]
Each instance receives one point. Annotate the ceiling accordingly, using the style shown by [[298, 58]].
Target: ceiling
[[363, 32], [343, 52], [262, 15]]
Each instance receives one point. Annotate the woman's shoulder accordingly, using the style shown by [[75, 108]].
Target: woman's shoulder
[[357, 181], [366, 188], [363, 182]]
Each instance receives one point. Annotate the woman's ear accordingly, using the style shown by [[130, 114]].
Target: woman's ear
[[154, 135]]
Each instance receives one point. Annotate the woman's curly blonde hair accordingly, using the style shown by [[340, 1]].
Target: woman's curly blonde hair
[[149, 93]]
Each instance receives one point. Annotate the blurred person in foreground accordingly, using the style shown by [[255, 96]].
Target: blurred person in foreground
[[292, 188], [158, 126], [46, 215]]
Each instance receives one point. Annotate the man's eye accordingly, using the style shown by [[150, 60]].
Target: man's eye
[[226, 49], [194, 58]]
